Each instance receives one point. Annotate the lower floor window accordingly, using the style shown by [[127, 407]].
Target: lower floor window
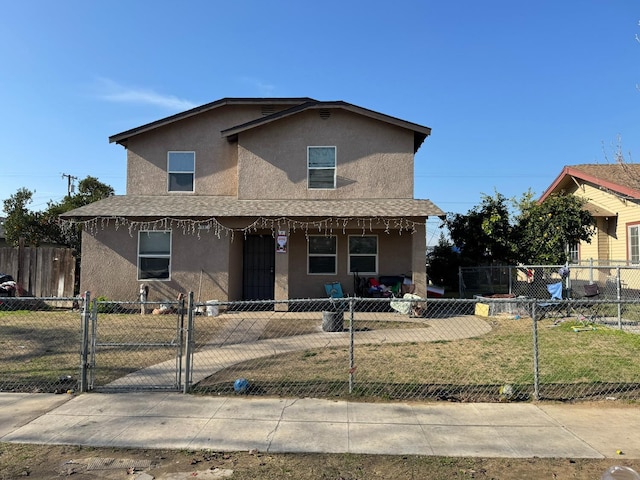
[[363, 254], [154, 255], [322, 254], [633, 240], [574, 253]]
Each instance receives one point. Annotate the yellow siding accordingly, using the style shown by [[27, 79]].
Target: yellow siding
[[612, 232]]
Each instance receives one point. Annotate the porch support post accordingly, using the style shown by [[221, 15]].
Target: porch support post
[[419, 259], [281, 283]]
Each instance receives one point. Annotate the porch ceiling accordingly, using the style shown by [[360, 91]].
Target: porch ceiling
[[197, 206], [597, 211]]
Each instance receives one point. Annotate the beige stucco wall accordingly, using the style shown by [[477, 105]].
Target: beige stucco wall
[[211, 267], [374, 159], [615, 228], [215, 156], [394, 258], [200, 265]]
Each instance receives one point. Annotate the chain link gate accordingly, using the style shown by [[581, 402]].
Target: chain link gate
[[131, 346]]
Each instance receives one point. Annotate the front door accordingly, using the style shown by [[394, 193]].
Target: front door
[[258, 278]]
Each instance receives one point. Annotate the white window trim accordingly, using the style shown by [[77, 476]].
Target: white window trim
[[335, 166], [139, 256], [574, 248], [635, 226], [349, 255], [169, 172], [334, 255]]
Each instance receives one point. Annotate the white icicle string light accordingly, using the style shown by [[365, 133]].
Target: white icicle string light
[[275, 224]]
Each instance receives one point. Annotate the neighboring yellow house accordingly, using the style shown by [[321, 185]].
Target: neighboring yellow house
[[612, 193]]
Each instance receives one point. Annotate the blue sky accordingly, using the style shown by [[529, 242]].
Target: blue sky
[[512, 90]]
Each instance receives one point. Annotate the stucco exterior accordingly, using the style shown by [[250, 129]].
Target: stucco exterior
[[380, 167], [198, 264], [250, 186]]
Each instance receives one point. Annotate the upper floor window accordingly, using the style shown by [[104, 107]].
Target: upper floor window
[[633, 244], [322, 254], [321, 166], [363, 254], [181, 168], [154, 255]]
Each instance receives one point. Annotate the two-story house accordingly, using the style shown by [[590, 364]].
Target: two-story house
[[259, 198]]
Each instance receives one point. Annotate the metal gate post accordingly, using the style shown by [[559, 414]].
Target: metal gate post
[[180, 340], [351, 345], [619, 296], [84, 351], [536, 368], [188, 358]]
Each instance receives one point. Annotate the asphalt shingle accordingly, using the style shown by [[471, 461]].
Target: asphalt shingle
[[199, 206]]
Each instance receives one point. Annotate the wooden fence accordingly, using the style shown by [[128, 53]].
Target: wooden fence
[[41, 271]]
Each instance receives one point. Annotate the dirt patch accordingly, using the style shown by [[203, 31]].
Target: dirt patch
[[46, 461]]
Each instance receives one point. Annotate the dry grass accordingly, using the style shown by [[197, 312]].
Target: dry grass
[[41, 348], [52, 461], [466, 369]]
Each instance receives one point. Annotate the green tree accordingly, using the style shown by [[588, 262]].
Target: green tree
[[45, 227], [20, 221], [544, 231], [538, 233], [484, 234], [90, 190], [443, 262]]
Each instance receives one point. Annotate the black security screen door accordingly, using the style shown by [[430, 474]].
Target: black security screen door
[[258, 267]]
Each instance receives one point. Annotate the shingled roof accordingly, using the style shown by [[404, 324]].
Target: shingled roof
[[199, 206], [622, 179], [420, 132], [292, 106], [123, 137]]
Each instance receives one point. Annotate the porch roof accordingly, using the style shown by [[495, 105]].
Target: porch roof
[[199, 206], [597, 211]]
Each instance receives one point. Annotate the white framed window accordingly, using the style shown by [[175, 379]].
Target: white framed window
[[181, 171], [633, 243], [574, 253], [154, 255], [363, 254], [321, 167], [322, 255]]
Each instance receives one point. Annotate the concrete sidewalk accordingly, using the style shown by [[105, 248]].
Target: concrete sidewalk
[[176, 421]]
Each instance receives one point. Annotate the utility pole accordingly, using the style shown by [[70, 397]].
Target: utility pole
[[70, 180]]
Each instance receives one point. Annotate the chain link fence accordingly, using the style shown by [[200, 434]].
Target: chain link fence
[[483, 349], [40, 341], [134, 345], [613, 281]]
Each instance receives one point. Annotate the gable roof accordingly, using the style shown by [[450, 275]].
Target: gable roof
[[620, 179], [121, 138], [200, 206], [420, 132], [295, 106]]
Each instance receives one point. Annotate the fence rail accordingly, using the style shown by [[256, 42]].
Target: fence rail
[[615, 281], [481, 349]]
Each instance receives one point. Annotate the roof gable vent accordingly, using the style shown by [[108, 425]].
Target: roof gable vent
[[268, 110], [325, 113]]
